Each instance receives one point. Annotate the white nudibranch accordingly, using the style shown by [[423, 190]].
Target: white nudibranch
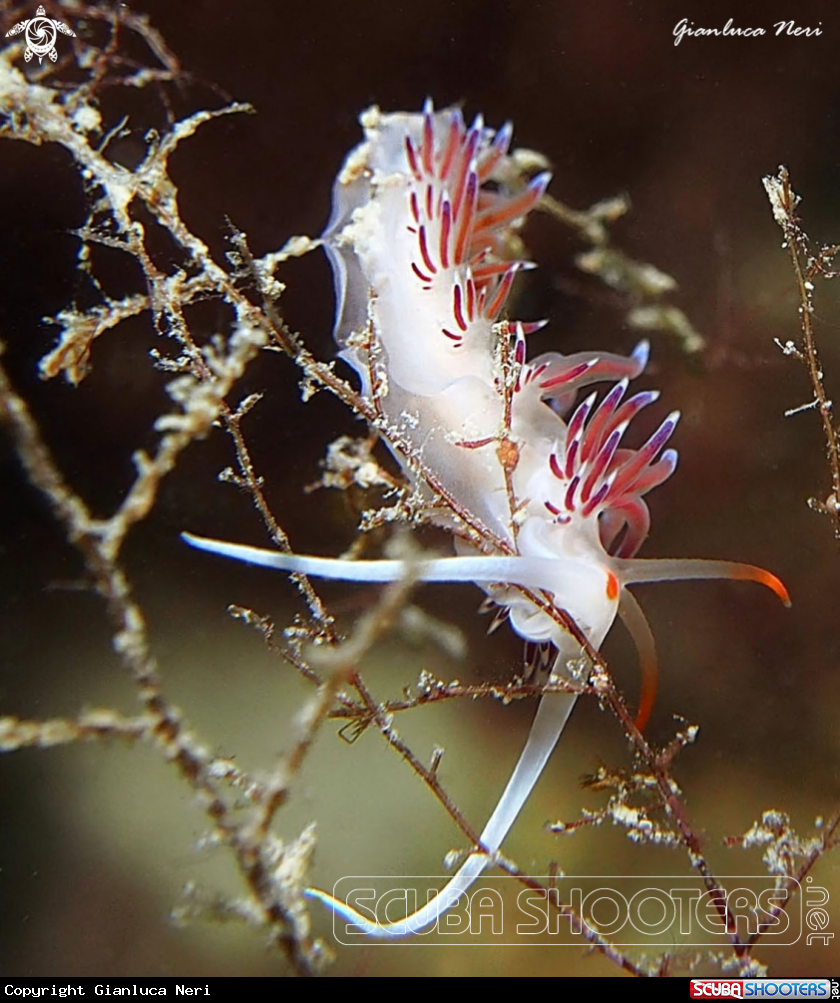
[[423, 213]]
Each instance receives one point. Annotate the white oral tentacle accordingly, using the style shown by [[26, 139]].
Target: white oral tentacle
[[552, 715], [530, 572]]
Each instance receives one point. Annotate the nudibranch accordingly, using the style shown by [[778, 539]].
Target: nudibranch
[[423, 216]]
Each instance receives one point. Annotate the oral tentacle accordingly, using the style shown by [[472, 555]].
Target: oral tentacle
[[549, 722], [633, 617], [640, 570], [529, 572]]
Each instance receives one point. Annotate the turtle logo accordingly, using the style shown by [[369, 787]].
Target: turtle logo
[[41, 33]]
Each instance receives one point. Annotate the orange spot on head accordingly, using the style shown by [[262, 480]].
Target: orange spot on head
[[612, 586]]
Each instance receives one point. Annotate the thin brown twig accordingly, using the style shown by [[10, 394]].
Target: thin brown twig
[[430, 778], [784, 202], [338, 664], [99, 542]]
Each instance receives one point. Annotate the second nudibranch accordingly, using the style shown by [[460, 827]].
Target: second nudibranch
[[424, 211]]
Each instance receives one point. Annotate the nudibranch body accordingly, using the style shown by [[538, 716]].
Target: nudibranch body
[[417, 244], [424, 212]]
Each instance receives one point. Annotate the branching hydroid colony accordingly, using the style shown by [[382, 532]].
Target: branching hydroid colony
[[545, 502]]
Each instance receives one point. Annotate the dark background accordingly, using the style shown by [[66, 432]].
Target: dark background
[[97, 842]]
